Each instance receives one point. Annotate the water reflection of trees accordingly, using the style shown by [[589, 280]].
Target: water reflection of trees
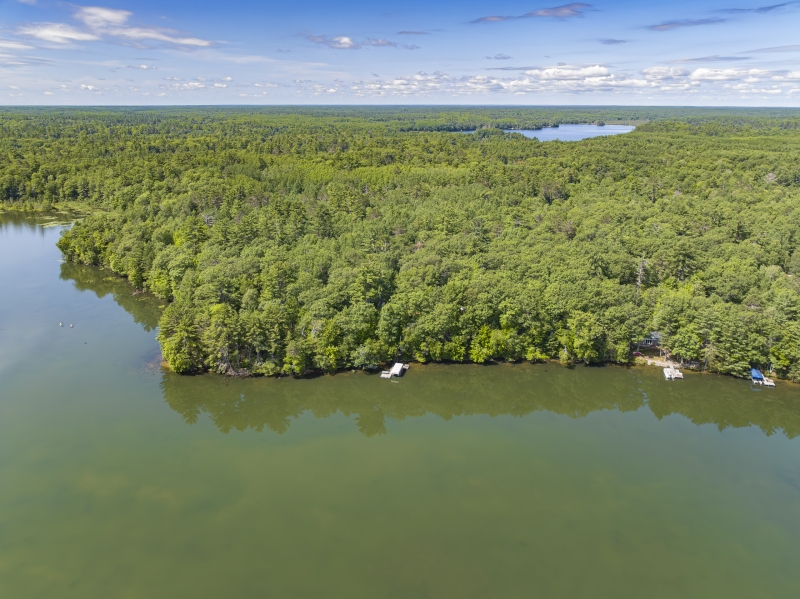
[[272, 405], [258, 404], [33, 220], [770, 411], [143, 307]]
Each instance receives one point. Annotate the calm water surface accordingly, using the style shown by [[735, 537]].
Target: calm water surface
[[569, 132], [573, 132], [119, 480]]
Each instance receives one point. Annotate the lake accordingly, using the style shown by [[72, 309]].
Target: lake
[[507, 481], [569, 132], [573, 132]]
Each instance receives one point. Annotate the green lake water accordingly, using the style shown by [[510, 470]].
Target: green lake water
[[118, 480]]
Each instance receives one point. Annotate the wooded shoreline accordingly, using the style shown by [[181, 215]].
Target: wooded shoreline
[[328, 240]]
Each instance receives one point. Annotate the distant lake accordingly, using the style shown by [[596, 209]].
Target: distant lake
[[571, 132]]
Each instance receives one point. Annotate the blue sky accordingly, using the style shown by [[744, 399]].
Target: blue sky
[[404, 52]]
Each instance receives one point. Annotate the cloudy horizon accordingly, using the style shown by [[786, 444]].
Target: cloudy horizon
[[514, 53]]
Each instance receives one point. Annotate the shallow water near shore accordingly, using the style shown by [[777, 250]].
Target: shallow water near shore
[[513, 480]]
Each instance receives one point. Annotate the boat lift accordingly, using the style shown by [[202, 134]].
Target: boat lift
[[760, 379], [397, 370], [671, 373]]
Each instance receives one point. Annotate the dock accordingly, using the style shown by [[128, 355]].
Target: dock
[[397, 370], [760, 379], [672, 374]]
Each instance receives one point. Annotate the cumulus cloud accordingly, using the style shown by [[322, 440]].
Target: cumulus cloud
[[705, 74], [661, 73], [565, 11], [677, 24], [581, 79], [189, 85], [567, 72]]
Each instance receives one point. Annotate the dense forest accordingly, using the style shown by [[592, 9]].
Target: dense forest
[[290, 240]]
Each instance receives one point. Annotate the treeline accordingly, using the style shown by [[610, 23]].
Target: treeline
[[339, 238]]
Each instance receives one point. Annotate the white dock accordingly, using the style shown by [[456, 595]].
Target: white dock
[[671, 373], [397, 370]]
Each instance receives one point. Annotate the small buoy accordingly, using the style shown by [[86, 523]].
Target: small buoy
[[61, 324], [71, 325]]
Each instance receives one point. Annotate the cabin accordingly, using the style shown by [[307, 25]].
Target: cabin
[[651, 340]]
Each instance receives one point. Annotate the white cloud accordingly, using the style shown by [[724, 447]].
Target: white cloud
[[12, 45], [575, 79], [98, 17], [705, 74], [340, 42], [189, 85], [57, 33], [379, 42], [220, 85], [661, 73], [565, 11], [145, 33], [91, 88], [106, 22], [569, 72]]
